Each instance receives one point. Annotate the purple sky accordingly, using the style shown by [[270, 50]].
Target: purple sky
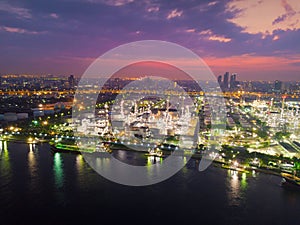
[[259, 40]]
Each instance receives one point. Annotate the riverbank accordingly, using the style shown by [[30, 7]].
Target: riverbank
[[197, 156], [112, 146], [24, 139]]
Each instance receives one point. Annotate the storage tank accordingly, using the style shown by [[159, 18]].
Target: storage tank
[[22, 116], [10, 116], [49, 111], [38, 113]]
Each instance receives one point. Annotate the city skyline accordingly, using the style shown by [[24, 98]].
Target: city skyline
[[238, 36]]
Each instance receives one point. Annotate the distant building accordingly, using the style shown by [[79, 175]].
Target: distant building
[[233, 82], [71, 81], [277, 86], [285, 87], [220, 80], [226, 81]]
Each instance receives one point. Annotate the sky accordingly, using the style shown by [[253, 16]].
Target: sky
[[257, 39], [152, 69]]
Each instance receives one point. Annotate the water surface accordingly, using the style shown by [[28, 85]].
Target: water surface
[[38, 186]]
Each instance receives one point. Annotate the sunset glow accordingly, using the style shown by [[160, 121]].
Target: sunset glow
[[256, 39]]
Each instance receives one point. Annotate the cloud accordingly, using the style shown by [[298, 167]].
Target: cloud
[[264, 16], [209, 35], [206, 32], [153, 9], [174, 13], [289, 12], [19, 30], [275, 38], [20, 12], [212, 3], [54, 16], [190, 30], [112, 2], [219, 38]]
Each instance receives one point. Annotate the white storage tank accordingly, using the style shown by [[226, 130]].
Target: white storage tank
[[10, 116], [22, 116]]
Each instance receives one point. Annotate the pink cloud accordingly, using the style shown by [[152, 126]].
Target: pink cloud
[[174, 13], [19, 30], [20, 12]]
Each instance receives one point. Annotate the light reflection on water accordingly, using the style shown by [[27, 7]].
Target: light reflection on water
[[5, 145], [59, 179], [244, 183], [153, 160], [184, 169], [81, 171], [1, 147], [150, 167], [32, 159], [58, 170], [5, 164], [65, 186], [79, 163], [5, 176], [236, 188]]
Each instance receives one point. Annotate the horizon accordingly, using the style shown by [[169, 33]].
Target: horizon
[[124, 77]]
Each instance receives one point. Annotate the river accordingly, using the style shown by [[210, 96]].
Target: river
[[38, 186]]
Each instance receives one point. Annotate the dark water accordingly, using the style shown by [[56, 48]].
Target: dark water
[[40, 187]]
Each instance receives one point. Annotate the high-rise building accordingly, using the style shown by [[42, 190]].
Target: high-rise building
[[225, 81], [233, 81], [220, 80]]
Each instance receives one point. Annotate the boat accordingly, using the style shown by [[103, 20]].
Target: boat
[[103, 147], [290, 181], [155, 152], [235, 168], [59, 147]]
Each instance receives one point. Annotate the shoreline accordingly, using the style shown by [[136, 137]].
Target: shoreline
[[118, 146]]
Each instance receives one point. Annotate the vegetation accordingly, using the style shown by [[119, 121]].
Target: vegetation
[[281, 135]]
